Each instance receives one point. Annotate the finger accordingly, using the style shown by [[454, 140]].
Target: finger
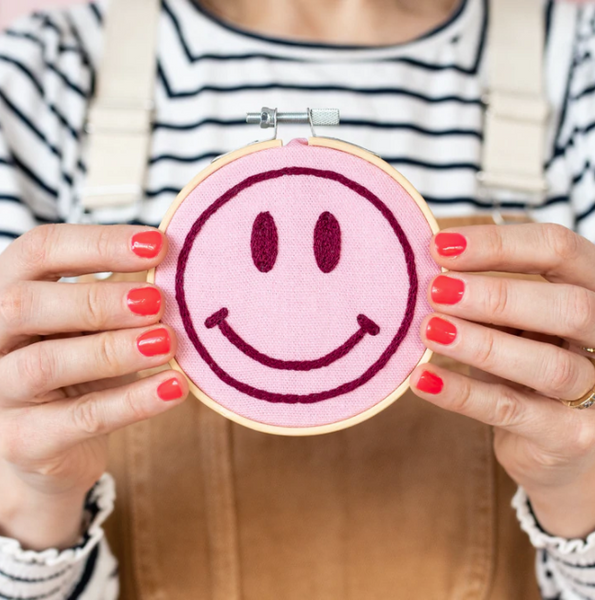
[[66, 423], [519, 412], [31, 372], [553, 251], [54, 251], [40, 308], [550, 370], [562, 310]]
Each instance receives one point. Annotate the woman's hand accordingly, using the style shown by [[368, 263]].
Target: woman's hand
[[65, 350], [545, 446]]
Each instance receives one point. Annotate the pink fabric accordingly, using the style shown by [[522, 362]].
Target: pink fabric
[[295, 312]]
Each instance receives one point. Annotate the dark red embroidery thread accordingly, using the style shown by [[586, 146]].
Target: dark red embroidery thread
[[219, 320], [265, 242], [327, 242], [315, 396]]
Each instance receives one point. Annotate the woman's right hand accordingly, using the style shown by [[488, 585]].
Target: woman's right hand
[[65, 352]]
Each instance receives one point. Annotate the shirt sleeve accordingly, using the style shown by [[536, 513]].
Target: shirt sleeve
[[87, 571], [576, 136], [565, 568], [46, 79]]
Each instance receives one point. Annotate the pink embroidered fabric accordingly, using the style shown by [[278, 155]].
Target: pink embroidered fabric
[[296, 282]]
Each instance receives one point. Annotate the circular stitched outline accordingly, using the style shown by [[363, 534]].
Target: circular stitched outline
[[317, 396], [332, 144]]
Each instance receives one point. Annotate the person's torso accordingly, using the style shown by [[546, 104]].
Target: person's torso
[[418, 105], [409, 504]]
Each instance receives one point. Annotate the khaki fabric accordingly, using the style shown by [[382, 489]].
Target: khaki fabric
[[410, 504]]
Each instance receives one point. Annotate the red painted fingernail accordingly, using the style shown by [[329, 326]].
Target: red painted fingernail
[[170, 390], [154, 343], [441, 331], [429, 383], [447, 290], [450, 244], [147, 244], [144, 301]]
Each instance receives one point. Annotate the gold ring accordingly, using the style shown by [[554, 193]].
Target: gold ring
[[589, 350], [589, 398]]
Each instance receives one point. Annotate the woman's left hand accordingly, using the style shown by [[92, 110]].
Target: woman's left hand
[[545, 446]]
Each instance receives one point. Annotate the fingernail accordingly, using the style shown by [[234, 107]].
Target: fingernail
[[429, 383], [147, 244], [154, 343], [450, 244], [441, 331], [144, 301], [170, 390], [447, 290]]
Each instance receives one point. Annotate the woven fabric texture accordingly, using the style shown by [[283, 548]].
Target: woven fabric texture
[[296, 281]]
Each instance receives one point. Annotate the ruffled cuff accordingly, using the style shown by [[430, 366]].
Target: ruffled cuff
[[580, 552], [99, 504]]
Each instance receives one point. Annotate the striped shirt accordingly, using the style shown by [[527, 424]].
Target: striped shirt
[[418, 105]]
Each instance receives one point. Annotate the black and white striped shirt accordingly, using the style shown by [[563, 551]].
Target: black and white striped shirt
[[418, 105]]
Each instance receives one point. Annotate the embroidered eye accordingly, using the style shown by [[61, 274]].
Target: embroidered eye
[[327, 242], [264, 242]]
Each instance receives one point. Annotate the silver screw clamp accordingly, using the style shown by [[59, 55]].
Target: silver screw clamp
[[269, 118]]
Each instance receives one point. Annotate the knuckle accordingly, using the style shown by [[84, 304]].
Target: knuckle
[[13, 444], [494, 243], [135, 409], [564, 243], [484, 355], [507, 407], [462, 399], [19, 439], [37, 368], [498, 296], [561, 374], [107, 352], [104, 242], [95, 307], [37, 243], [582, 441], [578, 310], [87, 416], [14, 304]]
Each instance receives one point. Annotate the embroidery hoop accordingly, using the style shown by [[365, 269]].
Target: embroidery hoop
[[322, 142]]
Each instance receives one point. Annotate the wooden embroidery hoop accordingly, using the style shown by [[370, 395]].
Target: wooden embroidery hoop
[[277, 143]]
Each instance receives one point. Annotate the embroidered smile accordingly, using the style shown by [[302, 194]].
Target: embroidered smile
[[219, 319]]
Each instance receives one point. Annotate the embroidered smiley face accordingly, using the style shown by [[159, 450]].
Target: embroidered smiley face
[[296, 282]]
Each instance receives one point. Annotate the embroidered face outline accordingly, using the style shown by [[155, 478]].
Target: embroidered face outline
[[219, 318]]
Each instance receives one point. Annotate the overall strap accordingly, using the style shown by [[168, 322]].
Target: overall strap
[[517, 107], [120, 118]]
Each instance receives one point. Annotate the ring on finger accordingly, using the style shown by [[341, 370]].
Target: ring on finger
[[587, 399]]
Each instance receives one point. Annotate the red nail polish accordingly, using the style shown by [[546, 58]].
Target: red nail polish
[[441, 331], [154, 343], [450, 244], [447, 290], [144, 301], [170, 390], [429, 383], [147, 244]]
